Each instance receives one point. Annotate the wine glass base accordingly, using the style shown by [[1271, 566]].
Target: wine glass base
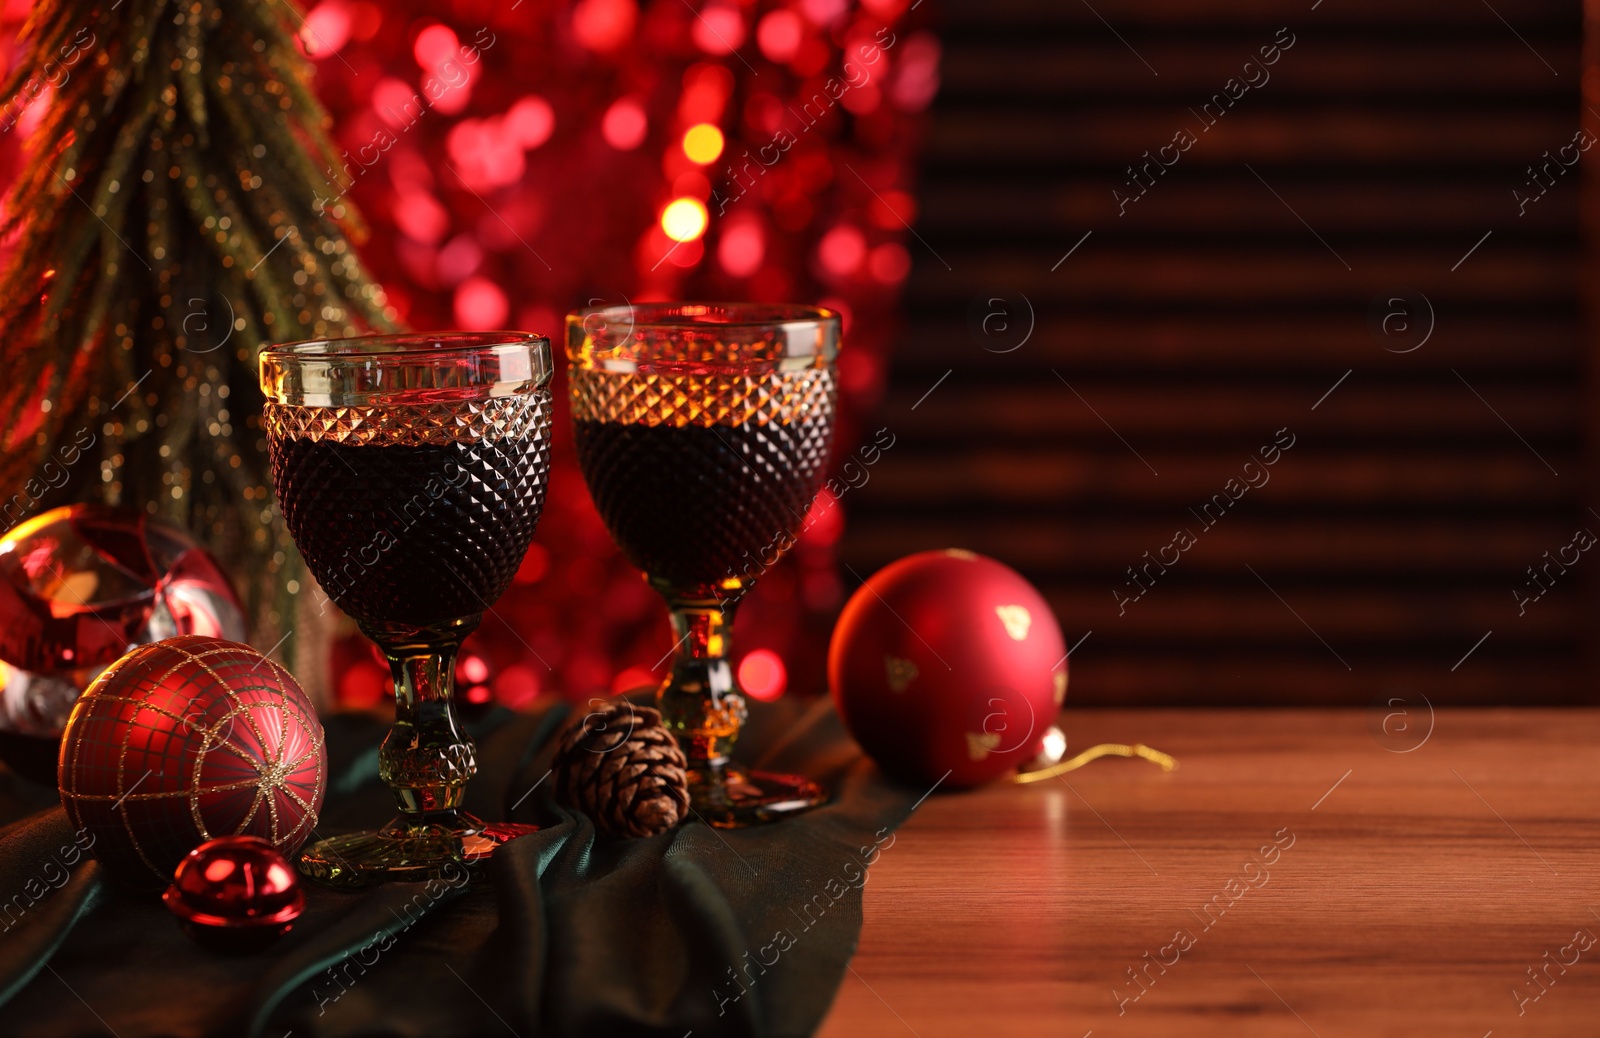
[[733, 798], [401, 852]]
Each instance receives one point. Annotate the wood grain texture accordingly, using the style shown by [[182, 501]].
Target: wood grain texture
[[1413, 900]]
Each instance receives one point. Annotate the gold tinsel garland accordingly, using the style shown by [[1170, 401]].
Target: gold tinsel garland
[[171, 223]]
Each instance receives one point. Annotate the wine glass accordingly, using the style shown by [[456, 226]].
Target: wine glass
[[411, 471], [703, 433]]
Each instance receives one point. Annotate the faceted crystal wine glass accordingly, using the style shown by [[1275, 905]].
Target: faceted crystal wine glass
[[411, 471], [703, 432]]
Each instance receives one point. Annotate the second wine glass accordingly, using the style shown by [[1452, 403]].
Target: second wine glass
[[703, 431]]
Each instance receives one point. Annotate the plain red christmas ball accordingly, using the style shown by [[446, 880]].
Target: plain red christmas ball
[[235, 894], [948, 665], [184, 740]]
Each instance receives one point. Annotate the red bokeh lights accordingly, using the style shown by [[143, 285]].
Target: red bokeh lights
[[529, 155], [718, 29], [530, 122], [481, 304], [842, 251], [763, 675], [326, 29], [604, 25], [742, 248], [624, 125], [778, 35], [434, 46]]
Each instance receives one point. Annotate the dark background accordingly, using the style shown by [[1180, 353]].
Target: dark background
[[1255, 274], [1342, 255]]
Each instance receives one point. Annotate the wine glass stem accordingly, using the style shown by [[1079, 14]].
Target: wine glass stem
[[701, 702], [426, 758]]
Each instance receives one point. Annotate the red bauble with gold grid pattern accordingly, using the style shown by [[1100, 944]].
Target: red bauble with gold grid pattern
[[184, 740]]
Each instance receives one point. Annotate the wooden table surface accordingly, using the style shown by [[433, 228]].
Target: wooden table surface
[[1452, 889]]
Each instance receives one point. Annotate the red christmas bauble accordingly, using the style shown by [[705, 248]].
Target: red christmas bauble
[[184, 740], [948, 665], [79, 585], [235, 894]]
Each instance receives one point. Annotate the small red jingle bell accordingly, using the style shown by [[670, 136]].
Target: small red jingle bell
[[235, 894]]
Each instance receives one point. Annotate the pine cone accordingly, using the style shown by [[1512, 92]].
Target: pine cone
[[620, 766]]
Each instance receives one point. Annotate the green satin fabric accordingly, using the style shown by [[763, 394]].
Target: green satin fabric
[[725, 933]]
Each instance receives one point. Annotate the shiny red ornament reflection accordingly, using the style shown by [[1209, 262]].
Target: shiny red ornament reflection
[[79, 585], [948, 668], [235, 894]]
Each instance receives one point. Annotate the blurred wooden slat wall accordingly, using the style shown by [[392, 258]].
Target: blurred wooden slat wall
[[1394, 533]]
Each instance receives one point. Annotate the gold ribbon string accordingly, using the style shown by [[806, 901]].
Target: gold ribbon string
[[1105, 749]]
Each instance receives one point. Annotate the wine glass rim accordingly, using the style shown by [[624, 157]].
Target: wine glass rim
[[409, 367], [692, 314], [404, 345]]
